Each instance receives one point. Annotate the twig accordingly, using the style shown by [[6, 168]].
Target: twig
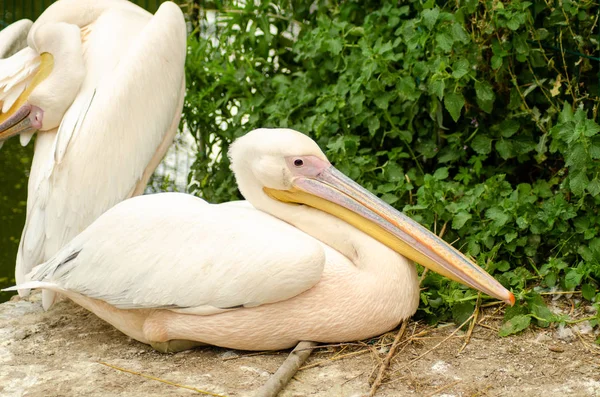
[[266, 353], [434, 347], [472, 325], [161, 380], [386, 363], [440, 389], [335, 359], [288, 369], [488, 327]]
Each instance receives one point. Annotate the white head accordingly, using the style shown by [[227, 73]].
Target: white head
[[265, 157], [51, 91]]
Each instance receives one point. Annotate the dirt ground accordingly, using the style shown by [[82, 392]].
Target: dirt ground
[[69, 352]]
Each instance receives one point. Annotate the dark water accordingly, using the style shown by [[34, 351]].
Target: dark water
[[15, 162]]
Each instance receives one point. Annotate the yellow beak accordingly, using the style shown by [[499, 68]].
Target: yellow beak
[[333, 192], [16, 120]]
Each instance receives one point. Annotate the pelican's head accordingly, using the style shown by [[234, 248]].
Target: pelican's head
[[41, 80], [289, 167]]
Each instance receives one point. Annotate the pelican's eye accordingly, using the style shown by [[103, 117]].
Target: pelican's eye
[[298, 162]]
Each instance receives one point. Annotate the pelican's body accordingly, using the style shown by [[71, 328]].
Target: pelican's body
[[312, 256], [102, 81]]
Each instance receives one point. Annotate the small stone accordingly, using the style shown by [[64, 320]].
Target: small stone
[[440, 366], [21, 334], [584, 328], [591, 309], [556, 349], [229, 355], [541, 338], [565, 334]]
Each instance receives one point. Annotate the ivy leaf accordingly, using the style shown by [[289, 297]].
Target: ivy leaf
[[498, 216], [588, 291], [335, 45], [578, 182], [572, 279], [459, 220], [454, 103], [516, 324], [593, 187], [509, 127], [444, 41], [462, 311], [459, 34], [591, 128], [482, 144], [430, 17], [505, 149], [460, 68], [496, 62], [437, 87], [440, 174], [485, 96]]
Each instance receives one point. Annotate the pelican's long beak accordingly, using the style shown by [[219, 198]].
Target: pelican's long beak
[[333, 192], [18, 122], [22, 117]]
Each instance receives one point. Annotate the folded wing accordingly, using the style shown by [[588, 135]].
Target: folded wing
[[177, 252]]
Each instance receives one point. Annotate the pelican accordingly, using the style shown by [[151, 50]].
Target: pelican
[[310, 256], [102, 82]]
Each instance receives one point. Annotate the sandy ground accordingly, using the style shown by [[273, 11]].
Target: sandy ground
[[61, 353]]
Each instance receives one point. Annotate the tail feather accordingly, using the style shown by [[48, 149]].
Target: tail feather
[[30, 285]]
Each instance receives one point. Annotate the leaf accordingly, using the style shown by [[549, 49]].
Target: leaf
[[389, 198], [430, 17], [591, 128], [578, 182], [538, 308], [572, 279], [373, 124], [460, 68], [454, 103], [444, 41], [496, 62], [588, 291], [566, 114], [485, 96], [335, 45], [498, 216], [593, 187], [459, 220], [505, 149], [509, 127], [459, 34], [440, 174], [437, 87], [462, 311], [514, 325], [482, 144]]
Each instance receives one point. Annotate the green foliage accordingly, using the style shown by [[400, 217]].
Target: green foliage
[[466, 115], [15, 162]]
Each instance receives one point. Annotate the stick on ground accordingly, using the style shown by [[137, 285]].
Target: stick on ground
[[288, 369], [388, 359]]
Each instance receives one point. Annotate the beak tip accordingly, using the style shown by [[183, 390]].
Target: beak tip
[[511, 299]]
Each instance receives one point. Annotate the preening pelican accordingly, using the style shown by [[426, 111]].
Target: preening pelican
[[311, 256], [102, 81]]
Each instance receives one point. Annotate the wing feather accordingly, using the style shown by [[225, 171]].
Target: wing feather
[[125, 108], [14, 37], [175, 251]]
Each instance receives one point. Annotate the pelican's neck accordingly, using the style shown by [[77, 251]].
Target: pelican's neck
[[363, 250]]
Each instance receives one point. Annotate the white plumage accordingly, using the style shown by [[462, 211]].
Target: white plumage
[[109, 110], [310, 256]]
